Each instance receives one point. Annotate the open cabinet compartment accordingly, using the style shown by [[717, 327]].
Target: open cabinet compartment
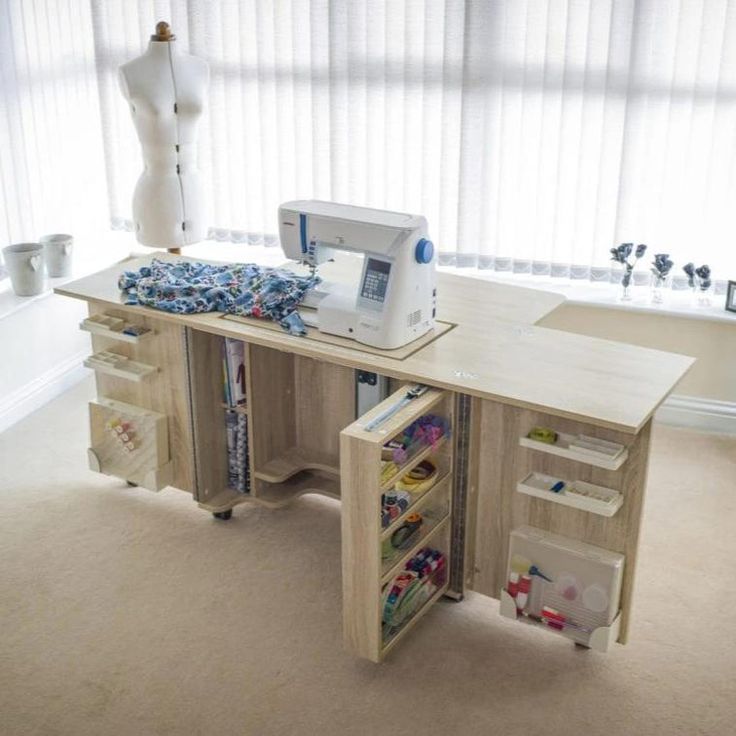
[[298, 407], [295, 408], [129, 442], [365, 574], [209, 413]]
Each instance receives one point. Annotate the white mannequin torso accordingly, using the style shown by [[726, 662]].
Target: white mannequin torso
[[166, 90]]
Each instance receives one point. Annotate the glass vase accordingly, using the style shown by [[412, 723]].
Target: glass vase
[[627, 284], [658, 286], [704, 294]]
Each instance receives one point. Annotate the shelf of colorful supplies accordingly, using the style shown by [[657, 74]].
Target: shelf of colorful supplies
[[582, 449], [577, 494], [424, 591], [418, 504], [599, 639], [428, 531], [421, 453]]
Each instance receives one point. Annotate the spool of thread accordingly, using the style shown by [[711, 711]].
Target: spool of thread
[[403, 535]]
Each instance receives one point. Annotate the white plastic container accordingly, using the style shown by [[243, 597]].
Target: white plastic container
[[24, 262], [57, 250], [579, 581]]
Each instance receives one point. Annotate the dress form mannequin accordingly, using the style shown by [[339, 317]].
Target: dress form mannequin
[[166, 90]]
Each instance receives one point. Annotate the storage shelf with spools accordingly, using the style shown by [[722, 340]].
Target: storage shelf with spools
[[576, 494], [582, 449], [424, 538], [365, 573], [412, 462], [391, 635], [441, 489]]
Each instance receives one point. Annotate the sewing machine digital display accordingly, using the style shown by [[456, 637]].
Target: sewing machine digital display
[[375, 280]]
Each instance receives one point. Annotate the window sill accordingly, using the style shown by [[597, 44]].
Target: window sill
[[607, 296], [10, 302]]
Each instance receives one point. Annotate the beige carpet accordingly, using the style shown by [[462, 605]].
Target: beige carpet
[[127, 612]]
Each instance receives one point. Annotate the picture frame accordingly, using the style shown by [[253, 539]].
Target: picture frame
[[731, 297]]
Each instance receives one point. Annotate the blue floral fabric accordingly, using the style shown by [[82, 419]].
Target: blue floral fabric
[[239, 288]]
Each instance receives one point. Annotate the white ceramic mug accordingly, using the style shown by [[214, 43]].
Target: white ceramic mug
[[57, 249], [24, 262]]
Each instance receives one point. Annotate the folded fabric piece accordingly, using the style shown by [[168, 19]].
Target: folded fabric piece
[[245, 289]]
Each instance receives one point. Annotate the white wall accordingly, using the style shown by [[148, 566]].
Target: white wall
[[42, 351]]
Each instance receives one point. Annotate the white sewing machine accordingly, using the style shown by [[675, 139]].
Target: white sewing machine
[[394, 302]]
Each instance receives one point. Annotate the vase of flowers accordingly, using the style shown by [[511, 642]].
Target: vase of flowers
[[661, 267], [622, 255], [689, 269], [704, 283]]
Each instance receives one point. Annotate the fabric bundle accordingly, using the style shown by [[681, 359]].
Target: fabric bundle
[[245, 289]]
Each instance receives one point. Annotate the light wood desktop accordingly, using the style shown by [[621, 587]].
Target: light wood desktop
[[494, 374]]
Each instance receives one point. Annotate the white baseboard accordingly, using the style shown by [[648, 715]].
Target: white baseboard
[[21, 402], [705, 415]]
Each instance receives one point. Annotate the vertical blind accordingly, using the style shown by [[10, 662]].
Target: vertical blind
[[533, 134], [51, 163]]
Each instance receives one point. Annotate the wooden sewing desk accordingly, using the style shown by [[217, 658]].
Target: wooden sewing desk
[[494, 374]]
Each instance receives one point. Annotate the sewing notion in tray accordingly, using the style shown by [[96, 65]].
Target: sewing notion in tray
[[563, 586]]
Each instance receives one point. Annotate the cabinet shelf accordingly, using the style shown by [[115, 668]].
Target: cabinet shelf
[[410, 464], [294, 461], [275, 495], [118, 365], [113, 328], [600, 500], [430, 529], [422, 502], [394, 638], [240, 408], [610, 456]]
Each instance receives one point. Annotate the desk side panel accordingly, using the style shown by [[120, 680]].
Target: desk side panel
[[499, 462], [166, 391]]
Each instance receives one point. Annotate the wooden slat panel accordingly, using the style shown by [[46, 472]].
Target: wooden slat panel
[[325, 404]]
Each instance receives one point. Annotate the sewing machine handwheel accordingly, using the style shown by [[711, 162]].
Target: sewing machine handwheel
[[223, 515], [424, 251]]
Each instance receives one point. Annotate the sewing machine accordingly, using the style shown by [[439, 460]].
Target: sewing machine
[[394, 300]]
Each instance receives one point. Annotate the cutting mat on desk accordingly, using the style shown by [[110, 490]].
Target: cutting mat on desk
[[401, 353]]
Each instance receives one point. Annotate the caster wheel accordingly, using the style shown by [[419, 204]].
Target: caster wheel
[[223, 515], [131, 484]]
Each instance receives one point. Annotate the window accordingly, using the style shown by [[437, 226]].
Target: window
[[534, 135]]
